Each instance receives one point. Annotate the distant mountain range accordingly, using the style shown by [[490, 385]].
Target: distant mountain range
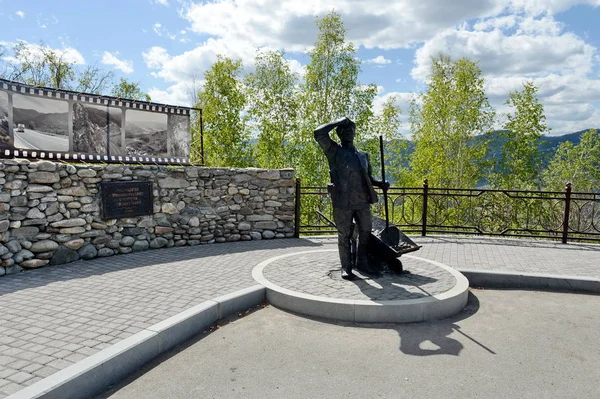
[[136, 128], [547, 144], [50, 123]]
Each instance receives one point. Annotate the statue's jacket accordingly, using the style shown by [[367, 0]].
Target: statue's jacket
[[346, 179]]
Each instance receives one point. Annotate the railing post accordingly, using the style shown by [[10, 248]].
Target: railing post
[[424, 216], [565, 232], [297, 210]]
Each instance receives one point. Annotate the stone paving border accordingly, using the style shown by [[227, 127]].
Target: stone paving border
[[532, 281], [95, 373], [366, 311]]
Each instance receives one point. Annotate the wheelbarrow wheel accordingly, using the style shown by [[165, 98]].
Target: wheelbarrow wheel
[[395, 266]]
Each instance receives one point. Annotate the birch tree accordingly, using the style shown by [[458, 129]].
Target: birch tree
[[445, 119], [273, 108], [223, 99], [519, 163]]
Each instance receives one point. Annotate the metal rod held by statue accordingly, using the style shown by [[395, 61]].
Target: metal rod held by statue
[[385, 199]]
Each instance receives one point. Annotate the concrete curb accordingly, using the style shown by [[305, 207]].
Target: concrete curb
[[366, 311], [514, 280], [94, 374]]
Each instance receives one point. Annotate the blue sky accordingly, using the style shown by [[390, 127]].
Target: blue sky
[[167, 45]]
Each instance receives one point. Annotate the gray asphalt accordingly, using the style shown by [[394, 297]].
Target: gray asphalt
[[39, 140], [505, 344]]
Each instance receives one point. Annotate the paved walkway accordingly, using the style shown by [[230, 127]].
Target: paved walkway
[[56, 316]]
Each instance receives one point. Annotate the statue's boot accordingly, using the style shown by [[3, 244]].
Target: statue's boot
[[362, 259], [346, 260]]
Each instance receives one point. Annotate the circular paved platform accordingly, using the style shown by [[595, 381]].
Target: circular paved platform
[[309, 283]]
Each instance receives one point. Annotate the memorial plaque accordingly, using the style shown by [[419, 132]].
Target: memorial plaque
[[125, 199]]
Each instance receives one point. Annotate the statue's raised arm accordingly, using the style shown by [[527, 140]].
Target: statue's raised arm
[[321, 134]]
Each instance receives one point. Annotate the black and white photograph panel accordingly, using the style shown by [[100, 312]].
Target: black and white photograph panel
[[145, 133], [40, 123], [90, 129], [179, 134], [4, 131]]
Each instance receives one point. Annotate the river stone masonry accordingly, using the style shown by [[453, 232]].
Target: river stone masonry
[[50, 212]]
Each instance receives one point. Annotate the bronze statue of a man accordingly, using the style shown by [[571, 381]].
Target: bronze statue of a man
[[351, 191]]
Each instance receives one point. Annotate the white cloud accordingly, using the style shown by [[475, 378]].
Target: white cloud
[[290, 24], [379, 60], [68, 54], [157, 28], [568, 100], [161, 31], [403, 100], [536, 48], [558, 63], [551, 7], [297, 67], [156, 57], [183, 93], [162, 2], [112, 60], [513, 49], [504, 22], [183, 67], [20, 14]]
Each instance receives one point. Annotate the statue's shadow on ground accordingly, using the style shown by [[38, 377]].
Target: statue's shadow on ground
[[426, 338], [388, 286], [433, 337]]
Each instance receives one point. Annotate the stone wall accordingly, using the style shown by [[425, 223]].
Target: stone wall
[[50, 212]]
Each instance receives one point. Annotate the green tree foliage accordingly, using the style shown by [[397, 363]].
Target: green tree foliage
[[41, 66], [578, 164], [520, 161], [129, 90], [5, 67], [93, 80], [444, 121], [196, 131], [273, 108], [331, 90], [222, 99]]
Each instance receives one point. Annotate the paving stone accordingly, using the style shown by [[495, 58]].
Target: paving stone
[[5, 360], [20, 377], [6, 372], [45, 371], [11, 388]]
